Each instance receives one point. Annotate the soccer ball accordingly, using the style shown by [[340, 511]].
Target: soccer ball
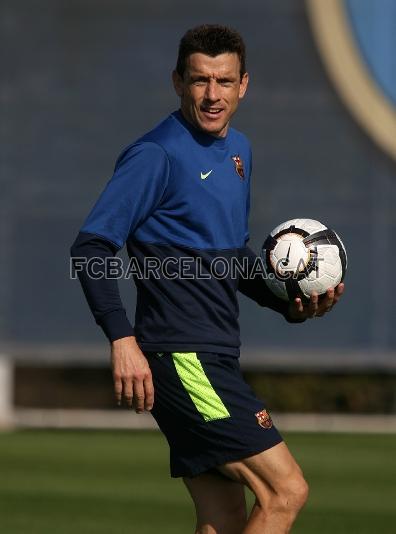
[[302, 256]]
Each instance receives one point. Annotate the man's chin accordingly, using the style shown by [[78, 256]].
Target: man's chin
[[216, 128]]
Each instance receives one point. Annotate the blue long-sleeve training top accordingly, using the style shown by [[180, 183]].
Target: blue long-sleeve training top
[[175, 193]]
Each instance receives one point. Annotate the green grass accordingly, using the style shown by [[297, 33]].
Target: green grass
[[62, 482]]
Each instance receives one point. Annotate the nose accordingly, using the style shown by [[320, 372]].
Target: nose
[[212, 94]]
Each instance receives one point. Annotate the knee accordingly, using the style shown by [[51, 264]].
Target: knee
[[292, 496], [298, 492], [286, 498], [282, 504]]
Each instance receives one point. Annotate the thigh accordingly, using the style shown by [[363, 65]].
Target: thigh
[[219, 502], [271, 471], [207, 412]]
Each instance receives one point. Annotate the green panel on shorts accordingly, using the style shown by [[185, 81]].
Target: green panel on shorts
[[198, 386]]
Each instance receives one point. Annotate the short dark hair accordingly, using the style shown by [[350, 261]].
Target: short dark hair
[[212, 40]]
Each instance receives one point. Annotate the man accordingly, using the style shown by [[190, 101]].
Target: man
[[182, 192]]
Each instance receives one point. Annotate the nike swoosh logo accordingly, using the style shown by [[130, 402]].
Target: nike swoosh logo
[[204, 176]]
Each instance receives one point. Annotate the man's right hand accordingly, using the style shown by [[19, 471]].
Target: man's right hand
[[131, 374]]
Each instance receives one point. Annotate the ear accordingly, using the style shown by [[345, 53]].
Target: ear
[[243, 85], [177, 83]]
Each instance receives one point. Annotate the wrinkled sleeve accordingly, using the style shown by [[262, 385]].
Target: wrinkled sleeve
[[132, 194], [134, 191]]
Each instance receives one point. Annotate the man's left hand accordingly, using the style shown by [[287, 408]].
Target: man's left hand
[[316, 306]]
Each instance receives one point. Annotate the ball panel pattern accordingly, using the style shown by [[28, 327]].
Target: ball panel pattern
[[309, 225], [303, 256]]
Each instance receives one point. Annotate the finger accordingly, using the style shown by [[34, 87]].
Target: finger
[[138, 396], [148, 393], [128, 391], [330, 295], [313, 305], [339, 290], [327, 298], [117, 389], [326, 303], [299, 307]]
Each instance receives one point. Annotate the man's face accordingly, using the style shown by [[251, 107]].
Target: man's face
[[210, 91]]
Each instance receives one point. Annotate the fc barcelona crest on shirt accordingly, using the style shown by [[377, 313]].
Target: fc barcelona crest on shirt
[[264, 419], [239, 166]]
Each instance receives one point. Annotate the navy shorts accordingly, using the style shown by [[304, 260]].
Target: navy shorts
[[208, 413]]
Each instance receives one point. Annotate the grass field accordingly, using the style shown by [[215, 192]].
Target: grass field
[[64, 482]]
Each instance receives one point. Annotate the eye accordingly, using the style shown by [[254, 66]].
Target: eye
[[199, 81], [226, 83]]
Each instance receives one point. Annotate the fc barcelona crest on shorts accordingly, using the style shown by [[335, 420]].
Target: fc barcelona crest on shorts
[[264, 419], [239, 166]]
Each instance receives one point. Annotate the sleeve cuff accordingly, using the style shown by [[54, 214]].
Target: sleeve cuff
[[116, 325], [282, 306], [295, 321]]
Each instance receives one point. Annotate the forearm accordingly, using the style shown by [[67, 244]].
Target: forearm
[[102, 293], [254, 287]]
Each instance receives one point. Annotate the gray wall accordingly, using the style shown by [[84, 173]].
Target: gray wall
[[84, 78]]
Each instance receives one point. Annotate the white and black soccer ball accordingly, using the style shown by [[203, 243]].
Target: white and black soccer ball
[[302, 256]]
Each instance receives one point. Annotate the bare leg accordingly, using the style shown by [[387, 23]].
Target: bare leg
[[279, 487], [219, 503]]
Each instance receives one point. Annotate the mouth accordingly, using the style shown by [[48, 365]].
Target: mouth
[[212, 113]]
